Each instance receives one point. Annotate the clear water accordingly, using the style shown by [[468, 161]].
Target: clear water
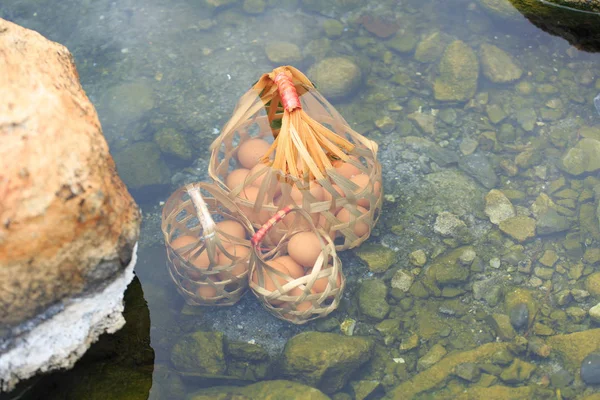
[[179, 66]]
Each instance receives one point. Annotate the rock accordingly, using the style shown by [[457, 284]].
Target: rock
[[526, 117], [336, 77], [538, 347], [468, 371], [247, 361], [447, 270], [496, 115], [402, 280], [417, 258], [254, 6], [142, 167], [500, 323], [500, 9], [425, 122], [324, 360], [447, 190], [458, 73], [174, 143], [365, 388], [409, 343], [513, 305], [595, 313], [403, 42], [200, 352], [333, 28], [377, 257], [68, 226], [551, 222], [498, 207], [282, 53], [128, 102], [448, 224], [489, 290], [590, 369], [584, 157], [273, 390], [519, 371], [519, 228], [479, 167], [574, 347], [497, 65], [592, 284], [519, 316], [372, 299], [549, 258], [430, 48], [215, 4], [433, 356]]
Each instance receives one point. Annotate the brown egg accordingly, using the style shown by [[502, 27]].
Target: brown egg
[[361, 228], [236, 177], [346, 169], [250, 193], [251, 151], [268, 283], [323, 225], [181, 242], [232, 228], [200, 262], [296, 271], [314, 188], [237, 251], [304, 248], [362, 181], [206, 291], [320, 284]]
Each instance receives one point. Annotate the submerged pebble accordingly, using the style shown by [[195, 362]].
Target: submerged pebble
[[590, 369]]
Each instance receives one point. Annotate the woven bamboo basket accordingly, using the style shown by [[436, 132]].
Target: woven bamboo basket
[[208, 247], [275, 152], [296, 281]]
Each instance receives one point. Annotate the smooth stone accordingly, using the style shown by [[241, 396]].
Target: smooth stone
[[519, 316], [459, 72], [497, 65], [336, 77], [590, 369], [479, 167], [498, 207], [283, 53]]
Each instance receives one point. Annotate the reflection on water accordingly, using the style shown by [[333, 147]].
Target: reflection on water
[[489, 141]]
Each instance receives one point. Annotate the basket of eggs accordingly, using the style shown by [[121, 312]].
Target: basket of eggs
[[301, 278], [208, 246], [285, 145]]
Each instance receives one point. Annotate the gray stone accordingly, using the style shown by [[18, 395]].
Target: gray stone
[[479, 167], [402, 280], [500, 323], [448, 224], [584, 157], [551, 222], [283, 53]]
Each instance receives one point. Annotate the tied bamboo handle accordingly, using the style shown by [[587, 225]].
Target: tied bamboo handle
[[206, 220], [260, 234]]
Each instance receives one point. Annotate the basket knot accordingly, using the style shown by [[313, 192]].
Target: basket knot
[[287, 92]]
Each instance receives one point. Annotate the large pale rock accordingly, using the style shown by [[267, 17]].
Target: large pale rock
[[68, 226]]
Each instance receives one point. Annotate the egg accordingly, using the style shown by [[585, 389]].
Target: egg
[[361, 228], [362, 181], [296, 196], [304, 248], [268, 283], [346, 169], [320, 284], [231, 228], [251, 151], [250, 193], [181, 242], [238, 251], [206, 291], [236, 177], [325, 225], [295, 270]]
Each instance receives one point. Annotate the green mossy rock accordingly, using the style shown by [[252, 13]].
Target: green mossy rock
[[335, 77], [519, 228], [436, 375], [129, 102], [497, 65], [500, 8], [514, 297], [141, 165], [377, 257], [372, 302], [431, 47], [200, 352], [458, 73], [174, 143], [333, 28], [403, 42], [519, 371], [324, 360], [574, 347], [584, 157], [448, 270], [592, 284], [272, 390], [281, 53], [497, 392]]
